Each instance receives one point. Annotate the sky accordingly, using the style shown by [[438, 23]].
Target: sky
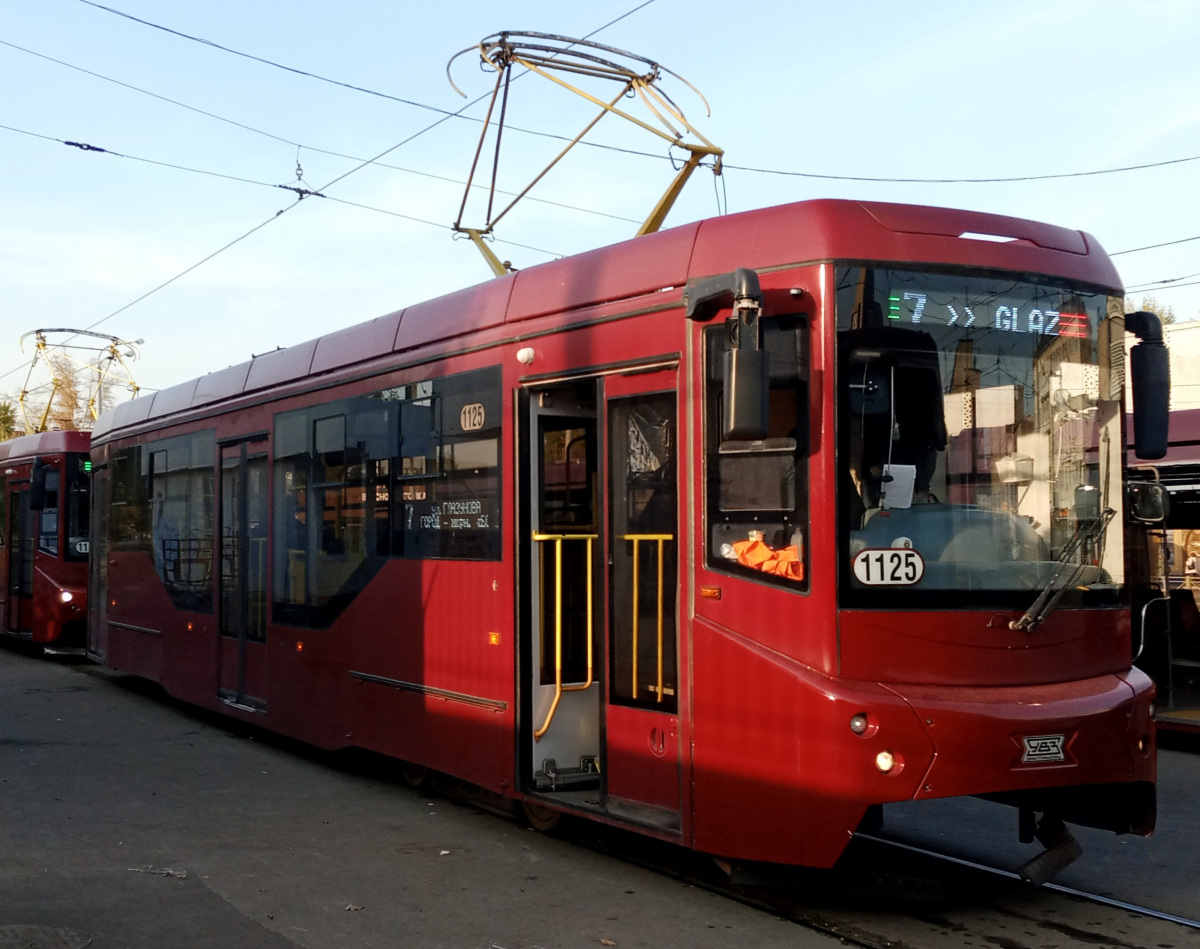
[[177, 234]]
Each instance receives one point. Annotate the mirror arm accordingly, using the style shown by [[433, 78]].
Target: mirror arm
[[704, 298], [1147, 327]]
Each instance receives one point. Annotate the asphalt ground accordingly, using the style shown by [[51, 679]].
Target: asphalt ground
[[127, 820], [130, 820]]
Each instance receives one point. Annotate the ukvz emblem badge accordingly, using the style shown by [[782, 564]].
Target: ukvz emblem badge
[[1039, 748]]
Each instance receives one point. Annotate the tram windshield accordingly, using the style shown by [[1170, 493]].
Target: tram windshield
[[979, 440]]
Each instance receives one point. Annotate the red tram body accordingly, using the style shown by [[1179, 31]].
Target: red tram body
[[519, 534], [45, 491]]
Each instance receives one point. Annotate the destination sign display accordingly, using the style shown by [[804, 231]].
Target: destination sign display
[[916, 307], [450, 515]]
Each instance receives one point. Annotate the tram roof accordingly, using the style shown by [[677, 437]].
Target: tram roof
[[660, 262], [25, 447]]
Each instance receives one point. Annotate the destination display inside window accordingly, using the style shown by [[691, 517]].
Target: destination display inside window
[[916, 307]]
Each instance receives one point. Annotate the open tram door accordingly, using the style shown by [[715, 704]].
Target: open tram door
[[242, 584], [22, 530], [599, 535]]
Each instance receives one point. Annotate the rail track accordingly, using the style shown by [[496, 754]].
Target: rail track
[[887, 894]]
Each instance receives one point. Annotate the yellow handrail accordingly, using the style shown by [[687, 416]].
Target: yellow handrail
[[559, 688], [660, 539]]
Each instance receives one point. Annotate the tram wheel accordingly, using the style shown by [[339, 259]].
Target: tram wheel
[[416, 776], [540, 817]]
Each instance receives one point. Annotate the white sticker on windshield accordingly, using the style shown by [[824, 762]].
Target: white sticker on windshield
[[888, 567]]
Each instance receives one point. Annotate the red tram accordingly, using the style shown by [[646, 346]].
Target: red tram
[[728, 534], [45, 491]]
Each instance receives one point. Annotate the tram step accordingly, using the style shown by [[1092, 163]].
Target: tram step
[[553, 778]]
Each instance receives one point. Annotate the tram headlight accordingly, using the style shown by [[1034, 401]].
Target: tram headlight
[[66, 596], [885, 761], [859, 723]]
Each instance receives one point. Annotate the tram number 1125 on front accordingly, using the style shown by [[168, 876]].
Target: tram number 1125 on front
[[890, 566]]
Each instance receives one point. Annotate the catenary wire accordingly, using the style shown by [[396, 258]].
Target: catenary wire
[[300, 192], [287, 141], [374, 92], [1161, 284], [325, 187], [1134, 250], [727, 166]]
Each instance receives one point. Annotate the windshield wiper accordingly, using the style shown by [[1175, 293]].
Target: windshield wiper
[[1048, 599]]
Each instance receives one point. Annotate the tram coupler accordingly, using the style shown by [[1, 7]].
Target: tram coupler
[[1062, 849]]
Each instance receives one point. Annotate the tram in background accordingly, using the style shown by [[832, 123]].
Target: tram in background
[[1168, 627], [45, 492], [729, 534]]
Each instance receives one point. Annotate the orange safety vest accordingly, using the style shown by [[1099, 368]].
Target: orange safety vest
[[784, 562]]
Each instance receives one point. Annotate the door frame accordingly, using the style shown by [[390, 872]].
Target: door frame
[[661, 808], [242, 449], [562, 717]]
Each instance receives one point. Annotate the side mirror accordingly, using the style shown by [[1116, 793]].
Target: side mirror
[[746, 376], [37, 486], [1148, 502], [746, 368], [1150, 379]]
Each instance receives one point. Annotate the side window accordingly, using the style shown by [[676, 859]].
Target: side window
[[77, 498], [644, 518], [182, 478], [448, 497], [757, 491], [48, 516], [332, 506], [410, 471], [129, 522]]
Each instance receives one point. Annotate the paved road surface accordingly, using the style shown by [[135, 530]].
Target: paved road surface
[[130, 820]]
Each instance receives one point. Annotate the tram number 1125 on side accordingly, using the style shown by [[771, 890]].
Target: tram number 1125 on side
[[890, 566]]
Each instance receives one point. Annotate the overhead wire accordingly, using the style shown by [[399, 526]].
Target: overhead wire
[[375, 92], [1171, 286], [731, 167], [282, 139], [323, 188], [1134, 250], [961, 181], [1153, 284]]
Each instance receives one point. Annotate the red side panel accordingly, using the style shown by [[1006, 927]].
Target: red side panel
[[432, 671], [778, 774]]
